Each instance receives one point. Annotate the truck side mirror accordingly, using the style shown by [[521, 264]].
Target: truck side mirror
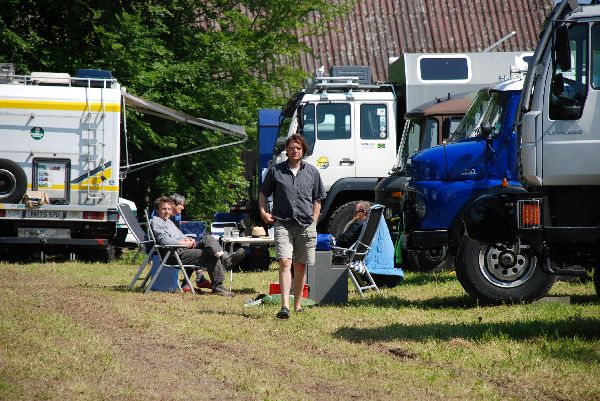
[[280, 144], [562, 48], [486, 130], [300, 117]]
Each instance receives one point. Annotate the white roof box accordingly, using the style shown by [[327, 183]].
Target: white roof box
[[53, 78]]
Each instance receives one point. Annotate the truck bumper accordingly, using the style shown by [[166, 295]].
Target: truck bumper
[[426, 239]]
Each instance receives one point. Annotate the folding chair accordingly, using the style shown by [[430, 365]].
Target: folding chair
[[354, 257], [147, 244]]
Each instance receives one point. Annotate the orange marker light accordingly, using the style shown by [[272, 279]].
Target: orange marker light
[[504, 183], [531, 214]]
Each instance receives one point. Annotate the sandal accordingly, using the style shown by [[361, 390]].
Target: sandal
[[284, 313], [300, 310]]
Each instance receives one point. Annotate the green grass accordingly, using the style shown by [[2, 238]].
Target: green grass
[[73, 331]]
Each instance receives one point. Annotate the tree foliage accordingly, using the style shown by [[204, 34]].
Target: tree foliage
[[216, 59]]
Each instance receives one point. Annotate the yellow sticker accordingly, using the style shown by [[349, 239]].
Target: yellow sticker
[[323, 162]]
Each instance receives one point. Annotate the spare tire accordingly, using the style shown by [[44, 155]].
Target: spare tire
[[342, 218], [13, 182]]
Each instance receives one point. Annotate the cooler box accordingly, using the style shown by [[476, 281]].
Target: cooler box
[[327, 282], [167, 279]]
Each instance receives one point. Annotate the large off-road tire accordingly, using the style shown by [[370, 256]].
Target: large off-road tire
[[597, 280], [13, 182], [496, 274], [341, 218], [429, 260]]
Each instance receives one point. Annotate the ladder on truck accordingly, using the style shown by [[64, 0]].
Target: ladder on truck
[[93, 137]]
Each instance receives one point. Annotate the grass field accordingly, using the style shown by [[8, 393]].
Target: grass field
[[72, 331]]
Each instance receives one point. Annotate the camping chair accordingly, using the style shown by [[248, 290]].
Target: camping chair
[[148, 245], [354, 257]]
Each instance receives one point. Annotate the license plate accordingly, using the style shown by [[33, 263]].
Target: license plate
[[43, 214]]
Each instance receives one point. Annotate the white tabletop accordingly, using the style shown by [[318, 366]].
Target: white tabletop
[[247, 240]]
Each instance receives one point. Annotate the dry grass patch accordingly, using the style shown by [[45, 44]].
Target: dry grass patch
[[73, 331]]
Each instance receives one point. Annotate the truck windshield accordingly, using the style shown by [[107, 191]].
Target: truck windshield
[[471, 120], [491, 113], [411, 137]]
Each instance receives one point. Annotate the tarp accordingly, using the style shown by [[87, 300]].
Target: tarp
[[380, 259]]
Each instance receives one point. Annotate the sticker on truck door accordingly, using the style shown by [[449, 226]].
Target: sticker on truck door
[[323, 162]]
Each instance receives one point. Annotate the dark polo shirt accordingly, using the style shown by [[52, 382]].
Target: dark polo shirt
[[293, 196]]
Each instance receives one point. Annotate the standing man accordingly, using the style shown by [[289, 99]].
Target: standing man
[[297, 192], [167, 233]]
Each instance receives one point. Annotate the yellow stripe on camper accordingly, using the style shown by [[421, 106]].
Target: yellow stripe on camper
[[53, 105], [78, 187]]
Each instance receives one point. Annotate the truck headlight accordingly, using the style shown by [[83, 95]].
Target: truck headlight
[[418, 203], [420, 209]]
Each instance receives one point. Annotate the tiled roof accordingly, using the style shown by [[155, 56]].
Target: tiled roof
[[378, 29]]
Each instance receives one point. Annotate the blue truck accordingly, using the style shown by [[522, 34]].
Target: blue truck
[[479, 158]]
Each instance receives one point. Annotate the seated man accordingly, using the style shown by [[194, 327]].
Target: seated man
[[167, 233], [350, 236], [206, 241]]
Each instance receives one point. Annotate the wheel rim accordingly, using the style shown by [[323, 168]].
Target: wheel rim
[[504, 268], [8, 183]]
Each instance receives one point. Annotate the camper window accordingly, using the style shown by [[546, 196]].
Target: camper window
[[444, 68], [333, 121], [373, 121]]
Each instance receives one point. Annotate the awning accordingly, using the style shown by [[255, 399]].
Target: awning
[[148, 107]]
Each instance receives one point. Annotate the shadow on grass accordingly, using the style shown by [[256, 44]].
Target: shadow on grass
[[428, 278], [125, 288], [380, 301], [585, 328]]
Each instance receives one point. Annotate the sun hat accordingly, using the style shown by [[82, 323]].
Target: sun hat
[[258, 231]]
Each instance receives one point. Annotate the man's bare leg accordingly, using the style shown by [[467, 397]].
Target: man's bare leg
[[299, 280], [285, 281]]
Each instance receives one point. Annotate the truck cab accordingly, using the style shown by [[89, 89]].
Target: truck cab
[[351, 129], [553, 223], [425, 127], [477, 158]]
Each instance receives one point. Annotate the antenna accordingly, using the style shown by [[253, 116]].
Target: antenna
[[498, 43]]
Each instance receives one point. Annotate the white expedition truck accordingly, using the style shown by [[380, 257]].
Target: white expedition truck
[[60, 167], [552, 225], [353, 126]]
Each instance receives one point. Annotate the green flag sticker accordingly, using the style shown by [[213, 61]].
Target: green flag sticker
[[37, 133]]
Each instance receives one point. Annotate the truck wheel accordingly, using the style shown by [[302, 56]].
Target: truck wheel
[[597, 280], [13, 181], [496, 274], [341, 218], [428, 260]]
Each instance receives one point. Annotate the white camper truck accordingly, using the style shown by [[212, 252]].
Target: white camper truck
[[353, 126], [60, 159]]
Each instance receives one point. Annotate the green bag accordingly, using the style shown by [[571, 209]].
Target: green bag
[[398, 249]]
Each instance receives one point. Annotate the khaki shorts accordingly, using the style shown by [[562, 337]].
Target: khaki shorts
[[296, 242]]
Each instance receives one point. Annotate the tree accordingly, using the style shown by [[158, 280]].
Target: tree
[[216, 59]]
